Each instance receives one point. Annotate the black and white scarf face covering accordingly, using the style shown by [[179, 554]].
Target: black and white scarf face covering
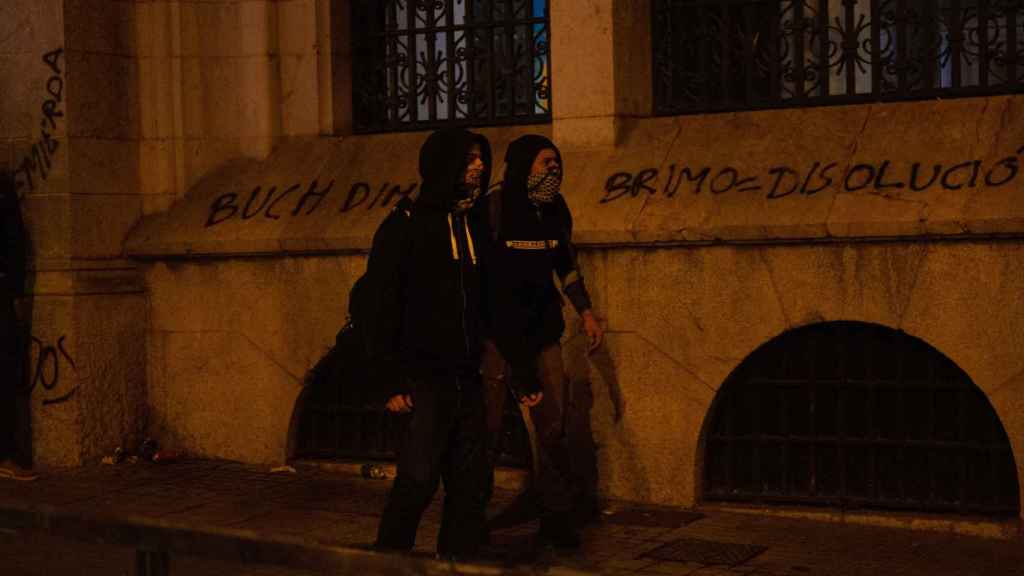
[[543, 188], [467, 202]]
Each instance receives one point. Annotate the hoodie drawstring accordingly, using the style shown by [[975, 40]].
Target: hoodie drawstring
[[455, 244], [469, 241], [451, 232]]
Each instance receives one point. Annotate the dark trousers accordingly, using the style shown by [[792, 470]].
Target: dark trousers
[[557, 488], [444, 441], [11, 383]]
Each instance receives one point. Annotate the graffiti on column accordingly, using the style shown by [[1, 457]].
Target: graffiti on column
[[45, 370], [35, 167]]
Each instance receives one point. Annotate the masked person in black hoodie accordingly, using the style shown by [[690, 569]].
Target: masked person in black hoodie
[[427, 324], [532, 229], [12, 282]]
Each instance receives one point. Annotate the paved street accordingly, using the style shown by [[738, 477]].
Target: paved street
[[326, 509]]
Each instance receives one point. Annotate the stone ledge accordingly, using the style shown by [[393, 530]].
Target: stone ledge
[[901, 170], [584, 240]]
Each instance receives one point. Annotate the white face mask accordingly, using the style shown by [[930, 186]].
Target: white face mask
[[543, 188]]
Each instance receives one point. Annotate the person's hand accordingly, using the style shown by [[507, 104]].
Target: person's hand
[[531, 400], [399, 403], [593, 330]]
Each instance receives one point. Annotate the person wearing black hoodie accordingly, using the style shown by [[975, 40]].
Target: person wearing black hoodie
[[12, 282], [428, 325], [532, 232]]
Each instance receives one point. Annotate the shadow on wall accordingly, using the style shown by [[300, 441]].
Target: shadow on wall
[[580, 406], [337, 415]]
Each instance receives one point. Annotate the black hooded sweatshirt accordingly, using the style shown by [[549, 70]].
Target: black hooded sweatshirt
[[427, 321], [524, 306], [12, 255]]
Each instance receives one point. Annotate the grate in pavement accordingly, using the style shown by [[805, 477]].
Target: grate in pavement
[[704, 552], [652, 517], [512, 547]]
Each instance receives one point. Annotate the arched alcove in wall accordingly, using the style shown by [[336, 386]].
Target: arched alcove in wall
[[339, 416], [856, 415]]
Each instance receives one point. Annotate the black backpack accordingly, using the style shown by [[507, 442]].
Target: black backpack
[[354, 345], [367, 302]]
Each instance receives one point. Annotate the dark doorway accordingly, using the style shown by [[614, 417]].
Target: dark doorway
[[855, 415]]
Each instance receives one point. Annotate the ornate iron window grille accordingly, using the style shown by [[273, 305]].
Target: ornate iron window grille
[[422, 64], [722, 55], [858, 416]]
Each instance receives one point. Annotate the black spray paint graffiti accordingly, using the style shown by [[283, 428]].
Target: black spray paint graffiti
[[779, 182], [360, 195], [46, 368], [229, 205], [225, 206], [782, 181], [38, 161]]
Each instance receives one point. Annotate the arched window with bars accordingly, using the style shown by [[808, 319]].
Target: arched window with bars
[[855, 415]]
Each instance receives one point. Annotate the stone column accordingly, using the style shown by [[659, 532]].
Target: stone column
[[601, 71], [298, 46], [212, 80], [333, 37], [69, 112]]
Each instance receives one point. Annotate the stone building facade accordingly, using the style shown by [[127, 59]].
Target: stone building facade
[[199, 204]]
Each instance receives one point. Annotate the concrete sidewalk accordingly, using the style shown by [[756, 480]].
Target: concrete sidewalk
[[248, 520]]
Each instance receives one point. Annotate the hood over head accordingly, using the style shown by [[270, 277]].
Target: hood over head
[[443, 164], [519, 159]]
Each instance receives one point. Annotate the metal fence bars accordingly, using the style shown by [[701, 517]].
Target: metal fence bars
[[422, 64], [857, 415], [720, 55]]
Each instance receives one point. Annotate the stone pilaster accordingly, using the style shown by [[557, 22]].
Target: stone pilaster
[[601, 55]]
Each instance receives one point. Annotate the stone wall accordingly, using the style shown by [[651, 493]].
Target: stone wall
[[231, 339], [111, 109], [68, 126], [218, 81], [224, 125], [702, 238], [681, 319], [948, 169], [229, 344]]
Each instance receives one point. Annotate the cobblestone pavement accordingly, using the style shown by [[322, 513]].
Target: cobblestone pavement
[[332, 509]]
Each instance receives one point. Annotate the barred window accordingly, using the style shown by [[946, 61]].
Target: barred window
[[427, 63], [858, 415], [719, 55]]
